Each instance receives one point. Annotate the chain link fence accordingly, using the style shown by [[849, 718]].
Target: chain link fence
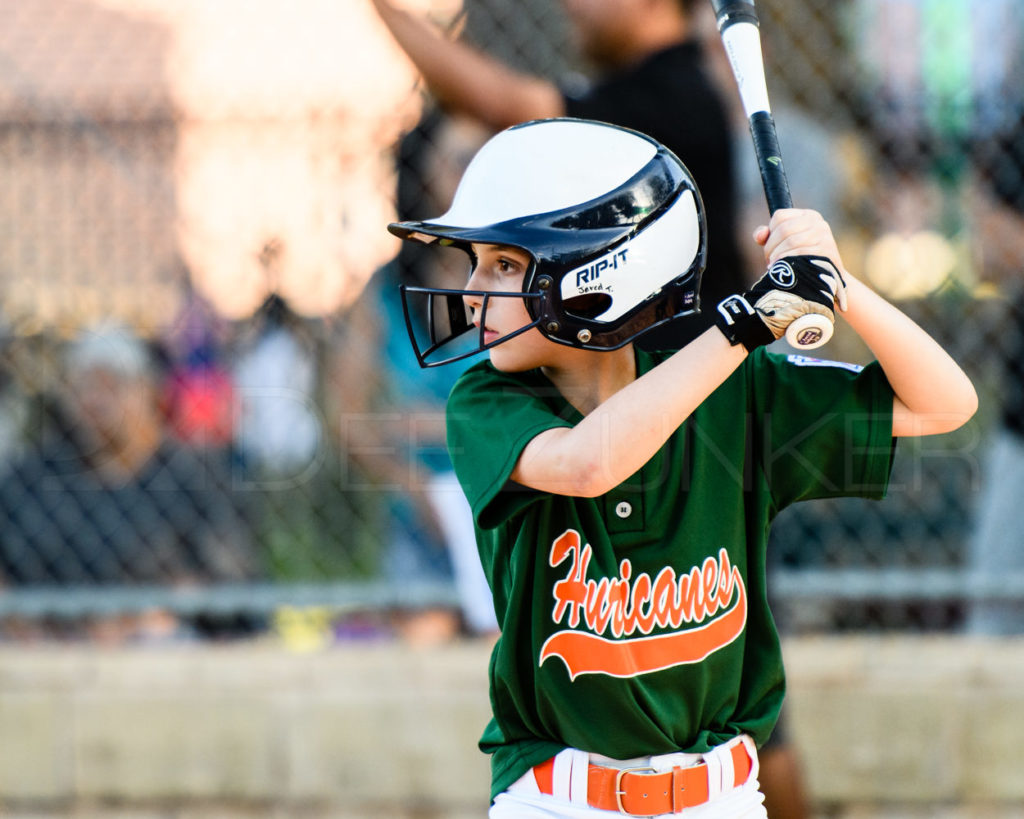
[[209, 422]]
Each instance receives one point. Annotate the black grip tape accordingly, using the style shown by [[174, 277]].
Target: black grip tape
[[769, 161], [728, 12]]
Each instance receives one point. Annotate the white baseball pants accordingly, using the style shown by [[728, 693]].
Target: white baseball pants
[[523, 800]]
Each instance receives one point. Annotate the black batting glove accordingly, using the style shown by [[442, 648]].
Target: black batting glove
[[792, 287]]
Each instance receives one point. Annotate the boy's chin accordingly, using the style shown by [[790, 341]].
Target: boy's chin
[[505, 364], [519, 353], [510, 361]]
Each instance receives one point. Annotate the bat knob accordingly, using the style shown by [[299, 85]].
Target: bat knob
[[809, 331]]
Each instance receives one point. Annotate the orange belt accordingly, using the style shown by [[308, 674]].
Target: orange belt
[[641, 791]]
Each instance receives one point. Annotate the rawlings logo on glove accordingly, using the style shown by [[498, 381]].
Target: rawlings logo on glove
[[792, 287], [782, 274]]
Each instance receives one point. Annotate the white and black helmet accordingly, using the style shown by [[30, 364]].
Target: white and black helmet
[[613, 223]]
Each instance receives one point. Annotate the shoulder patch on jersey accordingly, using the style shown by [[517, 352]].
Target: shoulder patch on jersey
[[806, 361]]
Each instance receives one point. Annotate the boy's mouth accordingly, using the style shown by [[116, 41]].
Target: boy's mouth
[[489, 335]]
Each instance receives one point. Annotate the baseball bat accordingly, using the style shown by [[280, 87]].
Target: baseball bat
[[739, 28]]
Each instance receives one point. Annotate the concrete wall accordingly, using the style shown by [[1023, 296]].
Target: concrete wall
[[376, 729]]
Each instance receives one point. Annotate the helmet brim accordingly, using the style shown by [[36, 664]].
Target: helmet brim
[[445, 235]]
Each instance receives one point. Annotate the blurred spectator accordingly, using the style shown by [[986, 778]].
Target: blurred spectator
[[652, 77], [310, 526], [199, 392], [996, 548], [394, 411], [279, 430], [112, 500]]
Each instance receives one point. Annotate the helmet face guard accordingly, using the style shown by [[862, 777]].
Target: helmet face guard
[[445, 335], [613, 224]]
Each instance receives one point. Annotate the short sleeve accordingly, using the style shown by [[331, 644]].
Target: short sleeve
[[826, 428], [491, 417]]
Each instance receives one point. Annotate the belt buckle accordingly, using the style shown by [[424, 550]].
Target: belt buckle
[[619, 793]]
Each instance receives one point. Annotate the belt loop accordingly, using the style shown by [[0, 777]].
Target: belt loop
[[561, 774], [578, 777], [719, 776], [755, 765], [727, 771]]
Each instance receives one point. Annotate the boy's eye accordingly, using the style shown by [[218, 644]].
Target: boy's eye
[[499, 263], [505, 266]]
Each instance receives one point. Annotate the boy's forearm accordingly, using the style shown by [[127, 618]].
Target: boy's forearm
[[933, 394], [625, 431]]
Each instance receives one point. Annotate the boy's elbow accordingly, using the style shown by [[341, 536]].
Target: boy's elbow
[[571, 486], [954, 419], [588, 482], [554, 461], [592, 489], [957, 406], [965, 404], [970, 403], [955, 413], [590, 478], [572, 475], [968, 411]]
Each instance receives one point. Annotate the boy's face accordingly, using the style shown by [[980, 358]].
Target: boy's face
[[500, 269]]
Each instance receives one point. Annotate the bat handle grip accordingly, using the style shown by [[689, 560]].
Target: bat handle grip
[[769, 161], [812, 330]]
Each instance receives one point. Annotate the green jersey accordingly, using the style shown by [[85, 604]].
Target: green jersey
[[637, 623]]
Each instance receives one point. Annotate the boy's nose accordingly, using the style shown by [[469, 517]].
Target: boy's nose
[[470, 300]]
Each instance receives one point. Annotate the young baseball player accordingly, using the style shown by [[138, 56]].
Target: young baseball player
[[622, 499]]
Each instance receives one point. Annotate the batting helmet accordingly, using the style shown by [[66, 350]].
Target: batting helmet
[[611, 219]]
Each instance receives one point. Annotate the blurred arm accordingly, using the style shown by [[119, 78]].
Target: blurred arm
[[467, 81]]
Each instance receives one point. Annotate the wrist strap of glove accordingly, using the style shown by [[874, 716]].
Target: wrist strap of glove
[[740, 323]]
